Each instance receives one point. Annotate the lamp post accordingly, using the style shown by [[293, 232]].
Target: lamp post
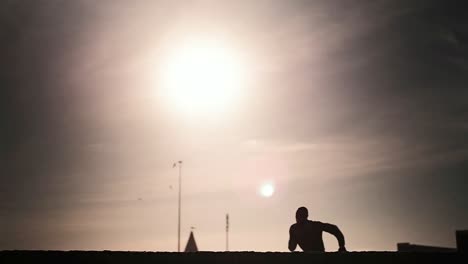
[[179, 164], [227, 232]]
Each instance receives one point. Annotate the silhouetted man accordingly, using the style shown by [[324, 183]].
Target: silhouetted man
[[308, 234]]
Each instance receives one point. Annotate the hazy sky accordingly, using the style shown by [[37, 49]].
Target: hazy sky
[[357, 110]]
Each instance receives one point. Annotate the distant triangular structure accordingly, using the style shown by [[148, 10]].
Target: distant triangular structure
[[191, 244]]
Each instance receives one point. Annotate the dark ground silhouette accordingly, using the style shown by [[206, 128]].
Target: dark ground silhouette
[[115, 257]]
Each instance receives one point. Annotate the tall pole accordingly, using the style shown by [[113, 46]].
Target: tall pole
[[180, 192], [227, 232]]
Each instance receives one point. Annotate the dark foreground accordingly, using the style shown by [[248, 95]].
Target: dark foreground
[[116, 257]]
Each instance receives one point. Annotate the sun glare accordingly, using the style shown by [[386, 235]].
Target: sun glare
[[203, 77], [267, 190]]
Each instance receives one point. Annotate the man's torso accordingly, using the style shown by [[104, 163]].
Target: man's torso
[[309, 235]]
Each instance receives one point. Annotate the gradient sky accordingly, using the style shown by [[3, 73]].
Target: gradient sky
[[357, 110]]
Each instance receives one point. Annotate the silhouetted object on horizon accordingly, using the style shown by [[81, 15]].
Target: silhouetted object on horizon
[[462, 245], [191, 244], [462, 240], [308, 234], [407, 247], [227, 232], [179, 164]]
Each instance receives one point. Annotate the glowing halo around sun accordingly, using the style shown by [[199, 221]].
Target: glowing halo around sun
[[203, 77], [267, 190]]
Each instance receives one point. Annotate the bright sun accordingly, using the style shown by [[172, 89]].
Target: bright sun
[[203, 77], [267, 190]]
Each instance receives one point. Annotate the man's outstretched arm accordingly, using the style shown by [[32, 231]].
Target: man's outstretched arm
[[334, 230], [292, 240]]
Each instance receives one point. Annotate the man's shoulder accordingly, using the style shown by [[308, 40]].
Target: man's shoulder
[[296, 227], [308, 222], [316, 224], [293, 226]]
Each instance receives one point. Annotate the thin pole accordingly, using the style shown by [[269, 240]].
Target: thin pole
[[180, 192], [227, 232]]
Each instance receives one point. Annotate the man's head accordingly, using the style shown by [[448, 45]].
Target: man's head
[[301, 214]]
